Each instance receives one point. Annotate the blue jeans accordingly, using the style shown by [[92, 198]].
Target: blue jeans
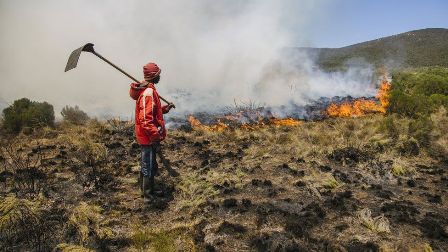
[[149, 166]]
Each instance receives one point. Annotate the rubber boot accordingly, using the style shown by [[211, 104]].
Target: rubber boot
[[151, 185], [140, 183], [148, 188]]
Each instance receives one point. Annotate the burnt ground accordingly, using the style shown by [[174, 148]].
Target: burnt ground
[[262, 190]]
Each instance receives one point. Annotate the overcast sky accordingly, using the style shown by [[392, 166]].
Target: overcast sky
[[216, 50]]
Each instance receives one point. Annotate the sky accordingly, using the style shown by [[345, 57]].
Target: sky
[[345, 22], [211, 52]]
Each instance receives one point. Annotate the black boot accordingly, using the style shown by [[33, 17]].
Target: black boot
[[140, 183], [151, 185], [147, 188]]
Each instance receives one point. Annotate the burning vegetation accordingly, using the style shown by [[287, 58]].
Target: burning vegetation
[[363, 106], [234, 123], [251, 118], [197, 125]]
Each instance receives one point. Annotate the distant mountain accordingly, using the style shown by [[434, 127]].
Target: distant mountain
[[419, 48]]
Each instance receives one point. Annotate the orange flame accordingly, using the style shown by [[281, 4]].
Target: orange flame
[[197, 125], [384, 93], [284, 122], [361, 106]]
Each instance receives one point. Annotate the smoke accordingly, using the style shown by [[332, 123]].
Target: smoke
[[212, 53]]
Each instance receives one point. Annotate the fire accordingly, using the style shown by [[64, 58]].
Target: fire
[[220, 126], [383, 93], [197, 125], [284, 122], [362, 106], [252, 119]]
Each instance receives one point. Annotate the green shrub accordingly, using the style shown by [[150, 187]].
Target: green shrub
[[409, 105], [25, 113], [420, 92], [74, 115], [438, 100]]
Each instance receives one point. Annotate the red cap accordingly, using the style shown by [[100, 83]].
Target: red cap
[[151, 70]]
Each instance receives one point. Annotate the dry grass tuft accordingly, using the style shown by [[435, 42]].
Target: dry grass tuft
[[15, 212], [378, 224], [331, 183], [174, 239], [427, 248], [22, 223], [64, 247], [87, 219], [194, 191], [398, 170], [439, 133]]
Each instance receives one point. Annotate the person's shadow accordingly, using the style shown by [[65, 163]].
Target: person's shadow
[[166, 163]]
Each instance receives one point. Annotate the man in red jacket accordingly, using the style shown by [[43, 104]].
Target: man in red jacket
[[149, 125]]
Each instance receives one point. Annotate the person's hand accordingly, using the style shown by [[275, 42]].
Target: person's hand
[[143, 84], [170, 106], [160, 130]]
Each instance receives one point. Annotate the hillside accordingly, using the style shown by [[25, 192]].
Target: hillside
[[419, 48]]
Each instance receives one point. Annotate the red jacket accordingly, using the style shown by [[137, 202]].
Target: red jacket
[[149, 124]]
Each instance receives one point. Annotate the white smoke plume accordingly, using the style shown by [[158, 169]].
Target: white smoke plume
[[211, 53]]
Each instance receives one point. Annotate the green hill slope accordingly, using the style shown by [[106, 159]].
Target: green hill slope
[[419, 48]]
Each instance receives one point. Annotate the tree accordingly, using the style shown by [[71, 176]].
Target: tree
[[25, 113], [74, 115]]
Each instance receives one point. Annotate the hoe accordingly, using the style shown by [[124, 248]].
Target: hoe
[[74, 57]]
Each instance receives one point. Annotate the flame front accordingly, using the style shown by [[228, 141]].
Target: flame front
[[384, 93], [255, 119], [284, 122], [197, 125], [361, 106]]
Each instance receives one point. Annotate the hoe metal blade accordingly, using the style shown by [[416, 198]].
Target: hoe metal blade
[[74, 56]]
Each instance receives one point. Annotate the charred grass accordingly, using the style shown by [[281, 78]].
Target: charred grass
[[340, 184]]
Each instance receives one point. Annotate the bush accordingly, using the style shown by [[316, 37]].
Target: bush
[[74, 115], [419, 93], [25, 113], [409, 105]]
